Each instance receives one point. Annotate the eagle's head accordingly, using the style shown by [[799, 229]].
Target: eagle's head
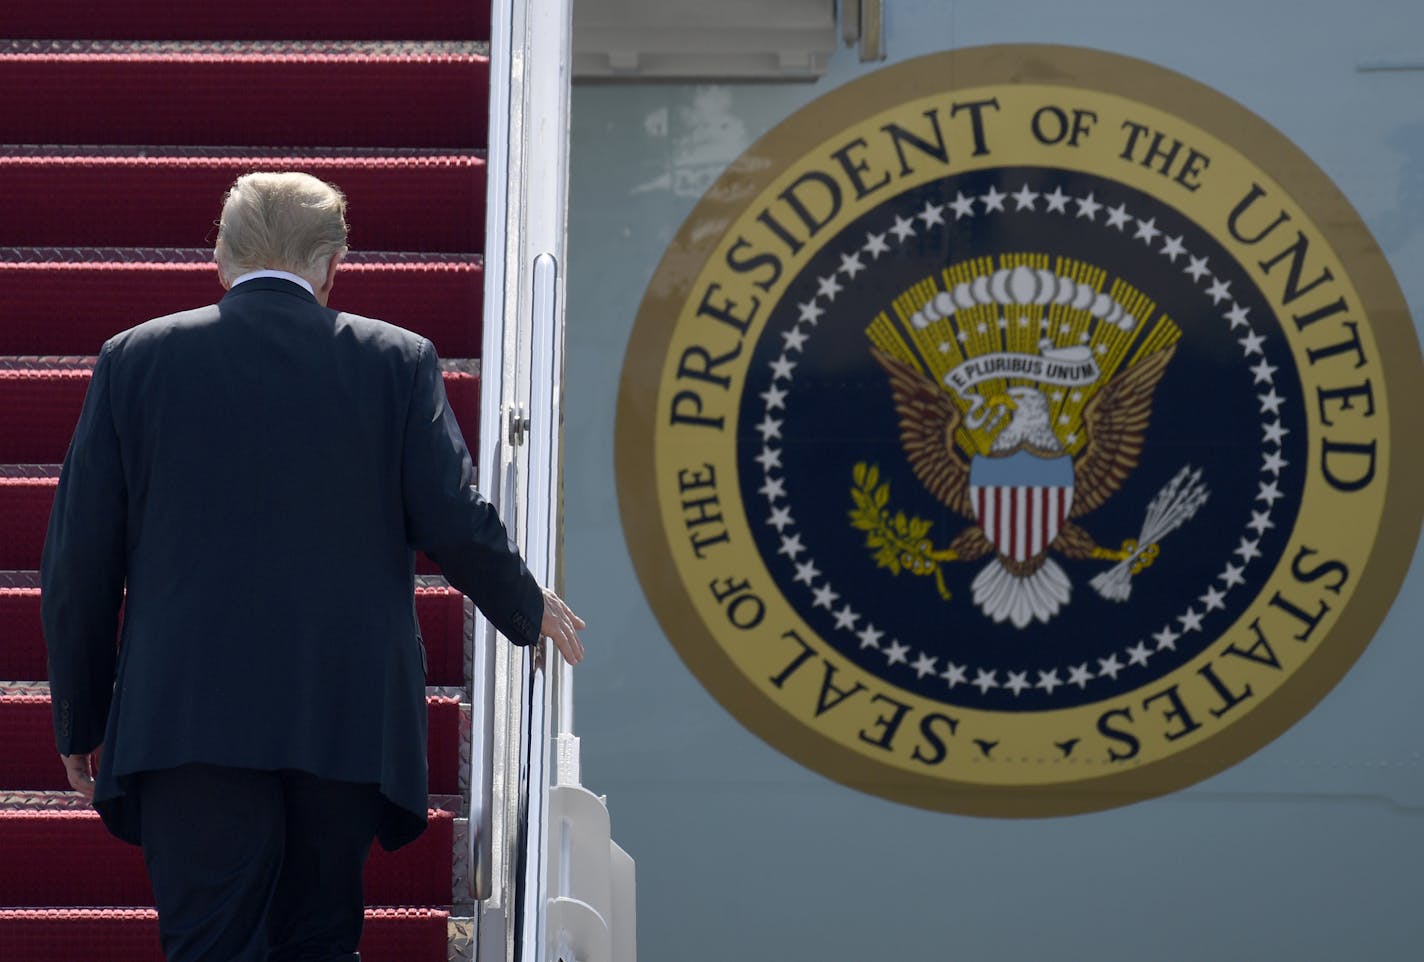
[[1030, 424]]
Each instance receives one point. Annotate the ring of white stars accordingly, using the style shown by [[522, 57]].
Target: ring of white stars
[[1045, 680]]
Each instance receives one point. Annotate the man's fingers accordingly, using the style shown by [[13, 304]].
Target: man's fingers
[[568, 644], [561, 626], [570, 647], [82, 784], [77, 768], [568, 613]]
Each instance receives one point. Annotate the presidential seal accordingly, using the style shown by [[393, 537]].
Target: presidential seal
[[1015, 431]]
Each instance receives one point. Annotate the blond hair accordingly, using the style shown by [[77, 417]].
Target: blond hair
[[281, 221]]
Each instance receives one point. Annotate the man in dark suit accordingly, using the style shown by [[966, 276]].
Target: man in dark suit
[[250, 481]]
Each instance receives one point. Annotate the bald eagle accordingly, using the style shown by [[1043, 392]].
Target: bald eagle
[[1022, 583]]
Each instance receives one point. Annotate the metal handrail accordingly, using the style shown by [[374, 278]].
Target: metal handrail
[[520, 390], [494, 777]]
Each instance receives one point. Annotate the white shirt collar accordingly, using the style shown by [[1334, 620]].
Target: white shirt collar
[[283, 275]]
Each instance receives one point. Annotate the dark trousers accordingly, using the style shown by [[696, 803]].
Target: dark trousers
[[253, 866]]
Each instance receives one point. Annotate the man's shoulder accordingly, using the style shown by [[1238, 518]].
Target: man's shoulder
[[379, 334], [158, 327], [366, 337]]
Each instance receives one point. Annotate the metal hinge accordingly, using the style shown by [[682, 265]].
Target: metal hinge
[[518, 425]]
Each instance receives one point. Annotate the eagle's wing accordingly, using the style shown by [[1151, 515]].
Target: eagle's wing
[[928, 420], [1115, 421]]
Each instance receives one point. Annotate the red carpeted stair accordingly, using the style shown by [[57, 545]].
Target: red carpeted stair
[[103, 289], [305, 95], [120, 127], [401, 200]]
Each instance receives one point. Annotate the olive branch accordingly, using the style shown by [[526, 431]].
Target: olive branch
[[900, 542]]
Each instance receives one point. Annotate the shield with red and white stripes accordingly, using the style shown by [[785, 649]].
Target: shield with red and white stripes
[[1021, 501]]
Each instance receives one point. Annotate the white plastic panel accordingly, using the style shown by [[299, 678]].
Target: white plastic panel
[[693, 39]]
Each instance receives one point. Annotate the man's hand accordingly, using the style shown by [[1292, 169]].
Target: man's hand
[[561, 626], [81, 769]]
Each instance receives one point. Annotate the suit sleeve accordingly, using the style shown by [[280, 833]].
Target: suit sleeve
[[452, 522], [82, 572]]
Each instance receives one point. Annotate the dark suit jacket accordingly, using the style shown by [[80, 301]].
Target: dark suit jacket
[[259, 474]]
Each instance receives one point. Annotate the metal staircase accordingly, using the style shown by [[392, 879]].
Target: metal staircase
[[124, 126]]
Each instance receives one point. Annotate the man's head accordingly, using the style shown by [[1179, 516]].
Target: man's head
[[282, 222]]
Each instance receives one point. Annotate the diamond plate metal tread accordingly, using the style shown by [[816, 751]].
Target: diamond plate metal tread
[[439, 609], [22, 366], [176, 152], [56, 800], [72, 860], [40, 689], [22, 690], [29, 762], [223, 93], [464, 930], [39, 366], [120, 258], [42, 397], [454, 805], [131, 934], [42, 801], [154, 197], [23, 473], [249, 20], [267, 50]]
